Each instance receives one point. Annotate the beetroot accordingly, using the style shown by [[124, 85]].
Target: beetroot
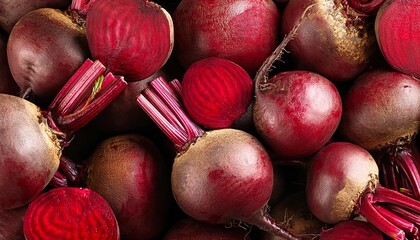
[[216, 92], [44, 49], [244, 32], [343, 182], [12, 11], [397, 28], [336, 40], [381, 112], [132, 38], [218, 176], [70, 213], [30, 152], [129, 172], [33, 139], [189, 228], [296, 112]]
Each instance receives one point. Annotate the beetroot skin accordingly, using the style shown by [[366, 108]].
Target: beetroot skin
[[296, 112], [129, 172], [44, 49]]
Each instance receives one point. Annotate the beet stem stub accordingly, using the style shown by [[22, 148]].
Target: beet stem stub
[[401, 223], [405, 161], [373, 216], [83, 97], [264, 221], [161, 104]]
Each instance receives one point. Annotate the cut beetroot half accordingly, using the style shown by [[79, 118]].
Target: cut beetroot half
[[70, 213]]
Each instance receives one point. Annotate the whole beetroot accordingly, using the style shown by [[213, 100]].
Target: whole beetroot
[[44, 49], [129, 172]]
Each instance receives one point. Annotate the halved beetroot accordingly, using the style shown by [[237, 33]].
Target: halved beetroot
[[70, 213]]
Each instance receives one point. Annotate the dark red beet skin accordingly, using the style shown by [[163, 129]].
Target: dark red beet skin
[[44, 50], [245, 32], [381, 109], [30, 152], [129, 172], [12, 11], [211, 197], [334, 40], [70, 213], [338, 175], [296, 112]]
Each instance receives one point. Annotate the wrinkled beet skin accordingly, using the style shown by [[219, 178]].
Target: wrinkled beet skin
[[226, 174], [298, 113], [188, 228], [45, 48], [245, 32], [131, 38], [339, 173], [381, 108], [325, 43], [129, 172], [11, 10], [29, 155], [7, 83]]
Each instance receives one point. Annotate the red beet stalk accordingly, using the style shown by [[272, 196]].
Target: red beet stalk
[[400, 170], [83, 97]]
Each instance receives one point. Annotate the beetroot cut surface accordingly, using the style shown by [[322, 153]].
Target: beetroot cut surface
[[70, 213], [397, 28]]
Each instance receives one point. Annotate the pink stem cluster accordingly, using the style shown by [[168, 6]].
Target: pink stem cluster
[[83, 97], [388, 210], [400, 170], [162, 102]]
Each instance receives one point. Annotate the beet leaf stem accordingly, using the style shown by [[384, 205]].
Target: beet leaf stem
[[371, 214], [161, 101], [84, 96]]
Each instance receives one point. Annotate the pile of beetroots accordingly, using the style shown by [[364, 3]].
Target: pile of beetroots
[[205, 119]]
